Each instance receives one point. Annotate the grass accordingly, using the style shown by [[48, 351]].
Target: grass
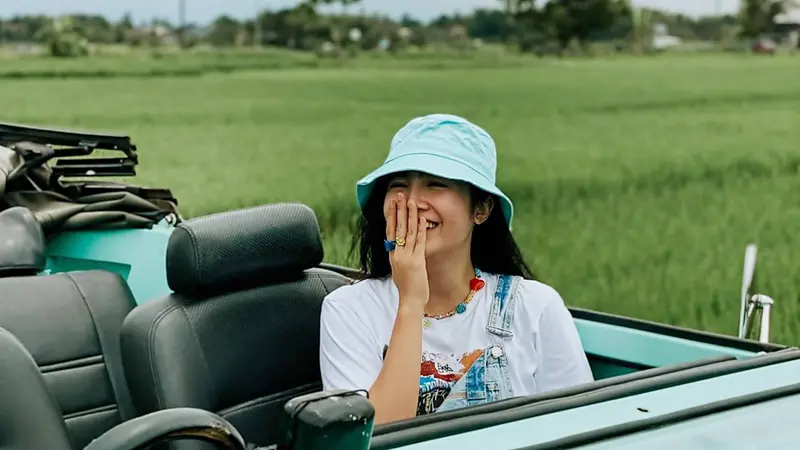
[[145, 62], [637, 182]]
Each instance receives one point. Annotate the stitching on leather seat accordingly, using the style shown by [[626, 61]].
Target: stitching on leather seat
[[115, 386], [89, 412], [151, 335], [202, 355]]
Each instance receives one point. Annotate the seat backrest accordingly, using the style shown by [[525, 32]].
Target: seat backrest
[[22, 243], [70, 323], [239, 335], [29, 415]]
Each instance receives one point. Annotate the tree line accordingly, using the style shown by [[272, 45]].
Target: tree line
[[526, 23]]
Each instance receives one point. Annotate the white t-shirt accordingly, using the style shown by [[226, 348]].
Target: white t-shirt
[[544, 354]]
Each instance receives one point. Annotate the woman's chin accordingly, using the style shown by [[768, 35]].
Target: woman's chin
[[431, 248], [429, 251]]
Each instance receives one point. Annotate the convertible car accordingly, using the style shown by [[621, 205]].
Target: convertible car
[[124, 326]]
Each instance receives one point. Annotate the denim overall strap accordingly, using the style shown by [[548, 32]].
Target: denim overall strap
[[488, 380], [501, 315]]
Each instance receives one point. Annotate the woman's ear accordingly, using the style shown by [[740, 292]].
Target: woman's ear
[[483, 210]]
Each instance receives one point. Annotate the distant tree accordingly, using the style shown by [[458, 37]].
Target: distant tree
[[409, 22], [123, 28], [94, 28], [224, 31], [533, 29], [571, 19], [63, 38], [444, 21], [758, 16], [567, 20], [490, 25], [26, 28], [330, 2]]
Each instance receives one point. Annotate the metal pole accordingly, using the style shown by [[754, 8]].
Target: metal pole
[[257, 24], [182, 12], [182, 21]]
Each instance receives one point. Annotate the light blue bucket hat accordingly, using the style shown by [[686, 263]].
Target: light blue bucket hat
[[446, 146]]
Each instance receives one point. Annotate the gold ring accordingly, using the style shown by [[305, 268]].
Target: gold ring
[[400, 241]]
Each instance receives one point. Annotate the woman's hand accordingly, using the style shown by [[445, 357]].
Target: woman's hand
[[394, 393], [408, 261]]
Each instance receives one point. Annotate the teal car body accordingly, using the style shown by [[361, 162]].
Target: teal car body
[[656, 386]]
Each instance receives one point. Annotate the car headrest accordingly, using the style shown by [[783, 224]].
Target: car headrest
[[247, 246], [22, 243]]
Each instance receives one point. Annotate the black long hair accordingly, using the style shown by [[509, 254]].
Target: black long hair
[[493, 248]]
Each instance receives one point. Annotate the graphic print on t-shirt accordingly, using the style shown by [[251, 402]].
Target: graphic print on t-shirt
[[438, 373]]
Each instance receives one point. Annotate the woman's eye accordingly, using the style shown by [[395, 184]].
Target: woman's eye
[[436, 184]]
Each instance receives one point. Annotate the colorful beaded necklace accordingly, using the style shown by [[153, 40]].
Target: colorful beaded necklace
[[475, 285]]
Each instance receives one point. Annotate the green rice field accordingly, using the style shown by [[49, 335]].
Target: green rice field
[[637, 182]]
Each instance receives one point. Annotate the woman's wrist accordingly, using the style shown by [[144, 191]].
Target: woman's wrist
[[411, 308]]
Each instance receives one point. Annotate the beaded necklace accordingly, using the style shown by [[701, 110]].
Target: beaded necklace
[[475, 285]]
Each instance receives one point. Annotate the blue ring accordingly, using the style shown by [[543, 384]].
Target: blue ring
[[389, 245]]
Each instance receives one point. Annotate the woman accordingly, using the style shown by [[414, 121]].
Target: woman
[[449, 314]]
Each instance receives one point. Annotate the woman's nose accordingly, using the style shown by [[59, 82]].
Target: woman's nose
[[417, 193]]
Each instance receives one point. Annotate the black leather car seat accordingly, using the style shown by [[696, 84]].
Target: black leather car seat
[[239, 335], [70, 323], [29, 415], [30, 418], [22, 243]]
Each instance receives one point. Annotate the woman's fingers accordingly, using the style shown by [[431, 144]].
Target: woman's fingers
[[402, 217], [413, 223], [422, 236], [391, 220], [403, 221]]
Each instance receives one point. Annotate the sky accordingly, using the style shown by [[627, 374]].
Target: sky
[[203, 11]]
